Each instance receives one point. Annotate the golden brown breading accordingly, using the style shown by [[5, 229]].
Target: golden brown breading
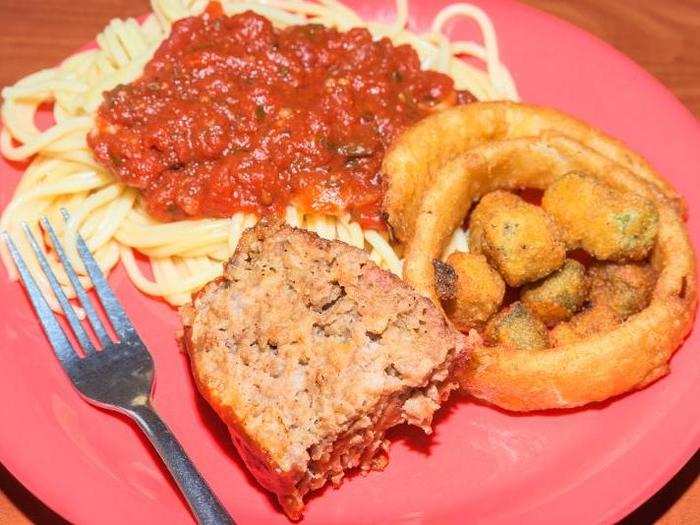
[[520, 240], [595, 320], [560, 295], [626, 288], [412, 164], [616, 292], [516, 327], [609, 224], [478, 292], [442, 179]]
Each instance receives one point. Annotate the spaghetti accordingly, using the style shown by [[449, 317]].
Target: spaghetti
[[186, 254]]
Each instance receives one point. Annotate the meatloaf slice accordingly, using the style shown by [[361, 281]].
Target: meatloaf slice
[[309, 352]]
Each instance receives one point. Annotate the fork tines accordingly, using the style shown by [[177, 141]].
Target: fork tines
[[119, 377], [118, 318]]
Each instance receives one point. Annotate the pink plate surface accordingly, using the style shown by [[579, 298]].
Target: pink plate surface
[[481, 464]]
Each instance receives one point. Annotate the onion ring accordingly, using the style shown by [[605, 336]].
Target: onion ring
[[625, 358], [413, 159]]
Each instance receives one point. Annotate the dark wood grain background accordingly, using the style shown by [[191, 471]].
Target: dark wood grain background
[[661, 35]]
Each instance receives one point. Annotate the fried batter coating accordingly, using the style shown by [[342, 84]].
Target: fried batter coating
[[520, 240], [626, 288], [516, 327], [433, 194], [559, 296], [609, 224], [412, 163], [478, 292], [595, 320], [616, 292]]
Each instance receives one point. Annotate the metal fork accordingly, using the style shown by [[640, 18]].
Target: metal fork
[[117, 376]]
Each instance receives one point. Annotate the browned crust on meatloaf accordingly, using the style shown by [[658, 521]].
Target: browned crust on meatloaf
[[309, 352]]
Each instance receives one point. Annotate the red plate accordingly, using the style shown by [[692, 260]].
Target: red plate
[[582, 466]]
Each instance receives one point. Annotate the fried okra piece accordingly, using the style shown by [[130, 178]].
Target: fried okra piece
[[626, 288], [609, 224], [478, 291], [515, 326], [584, 325], [617, 291], [559, 296], [518, 239]]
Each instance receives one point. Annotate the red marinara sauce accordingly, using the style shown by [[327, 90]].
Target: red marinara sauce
[[232, 115]]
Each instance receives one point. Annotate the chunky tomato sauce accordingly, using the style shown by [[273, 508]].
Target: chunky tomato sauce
[[232, 115]]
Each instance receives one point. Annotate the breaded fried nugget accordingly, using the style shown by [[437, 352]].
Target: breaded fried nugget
[[609, 224], [595, 320], [559, 296], [478, 292], [626, 288], [520, 240], [517, 327], [616, 292]]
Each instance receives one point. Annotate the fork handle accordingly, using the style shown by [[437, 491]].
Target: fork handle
[[204, 504]]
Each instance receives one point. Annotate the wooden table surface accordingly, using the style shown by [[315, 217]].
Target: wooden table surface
[[661, 35]]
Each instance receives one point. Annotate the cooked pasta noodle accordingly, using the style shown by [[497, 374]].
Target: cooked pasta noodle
[[184, 255]]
